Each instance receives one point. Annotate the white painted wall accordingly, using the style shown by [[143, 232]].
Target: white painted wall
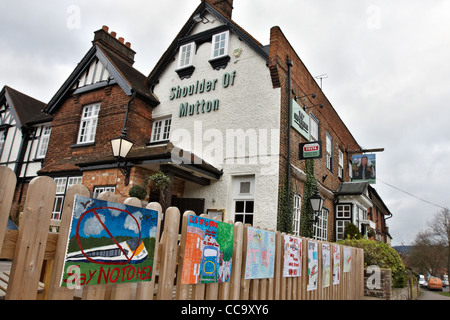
[[250, 105]]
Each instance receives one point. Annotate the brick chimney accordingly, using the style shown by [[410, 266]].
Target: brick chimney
[[225, 6], [118, 46]]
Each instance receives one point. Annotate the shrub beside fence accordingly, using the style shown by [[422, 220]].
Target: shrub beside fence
[[38, 256]]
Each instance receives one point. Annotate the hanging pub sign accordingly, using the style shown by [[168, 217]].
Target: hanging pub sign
[[363, 166], [311, 150], [300, 120]]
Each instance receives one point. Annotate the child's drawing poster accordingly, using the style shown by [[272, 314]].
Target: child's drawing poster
[[347, 259], [336, 264], [260, 259], [292, 257], [109, 243], [326, 265], [209, 251], [313, 265]]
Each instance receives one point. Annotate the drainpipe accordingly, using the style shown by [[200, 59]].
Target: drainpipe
[[290, 64]]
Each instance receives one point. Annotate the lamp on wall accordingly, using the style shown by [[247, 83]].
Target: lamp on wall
[[317, 105], [198, 18], [121, 147], [313, 95], [316, 202]]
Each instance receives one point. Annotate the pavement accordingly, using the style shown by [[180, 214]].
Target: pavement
[[431, 295]]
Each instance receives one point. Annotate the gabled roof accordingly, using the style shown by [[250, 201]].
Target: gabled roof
[[377, 199], [123, 73], [26, 110], [187, 28]]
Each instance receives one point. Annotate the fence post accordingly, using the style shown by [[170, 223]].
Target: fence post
[[145, 290], [32, 240], [238, 259], [56, 292], [169, 254], [182, 292], [7, 186]]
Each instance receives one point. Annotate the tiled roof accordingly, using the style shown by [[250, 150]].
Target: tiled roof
[[28, 109]]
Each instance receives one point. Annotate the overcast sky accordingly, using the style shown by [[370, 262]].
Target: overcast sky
[[386, 64]]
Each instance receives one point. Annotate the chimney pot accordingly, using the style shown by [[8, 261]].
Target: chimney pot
[[105, 28], [128, 44], [122, 40], [113, 34]]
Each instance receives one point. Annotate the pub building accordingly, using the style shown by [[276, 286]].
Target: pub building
[[214, 116]]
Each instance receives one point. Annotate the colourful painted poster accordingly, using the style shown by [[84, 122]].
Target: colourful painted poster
[[347, 259], [260, 261], [326, 265], [292, 257], [209, 251], [313, 265], [336, 264], [109, 243]]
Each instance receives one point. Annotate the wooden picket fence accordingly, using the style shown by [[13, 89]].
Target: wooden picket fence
[[38, 257]]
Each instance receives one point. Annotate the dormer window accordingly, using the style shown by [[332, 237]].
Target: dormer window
[[220, 45], [186, 57], [185, 67], [219, 50]]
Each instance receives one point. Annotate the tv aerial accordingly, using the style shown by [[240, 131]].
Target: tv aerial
[[321, 77]]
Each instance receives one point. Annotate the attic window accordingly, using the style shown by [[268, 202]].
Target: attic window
[[186, 57], [185, 61], [220, 45], [219, 50]]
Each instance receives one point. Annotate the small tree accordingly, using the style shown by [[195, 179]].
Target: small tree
[[138, 192], [351, 231], [161, 182]]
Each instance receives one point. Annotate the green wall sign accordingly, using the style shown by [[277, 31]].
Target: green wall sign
[[300, 120], [201, 106]]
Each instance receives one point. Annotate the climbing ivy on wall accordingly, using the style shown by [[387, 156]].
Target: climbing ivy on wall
[[285, 219], [307, 213]]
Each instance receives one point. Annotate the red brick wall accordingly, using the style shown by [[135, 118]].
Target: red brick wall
[[66, 124], [304, 84]]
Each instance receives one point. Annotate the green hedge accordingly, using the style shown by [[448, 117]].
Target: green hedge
[[383, 256]]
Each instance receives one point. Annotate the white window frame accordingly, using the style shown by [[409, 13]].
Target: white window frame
[[46, 131], [344, 211], [297, 214], [314, 128], [246, 197], [340, 229], [321, 227], [329, 151], [219, 44], [186, 55], [62, 184], [161, 130], [88, 124], [98, 190], [341, 164]]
